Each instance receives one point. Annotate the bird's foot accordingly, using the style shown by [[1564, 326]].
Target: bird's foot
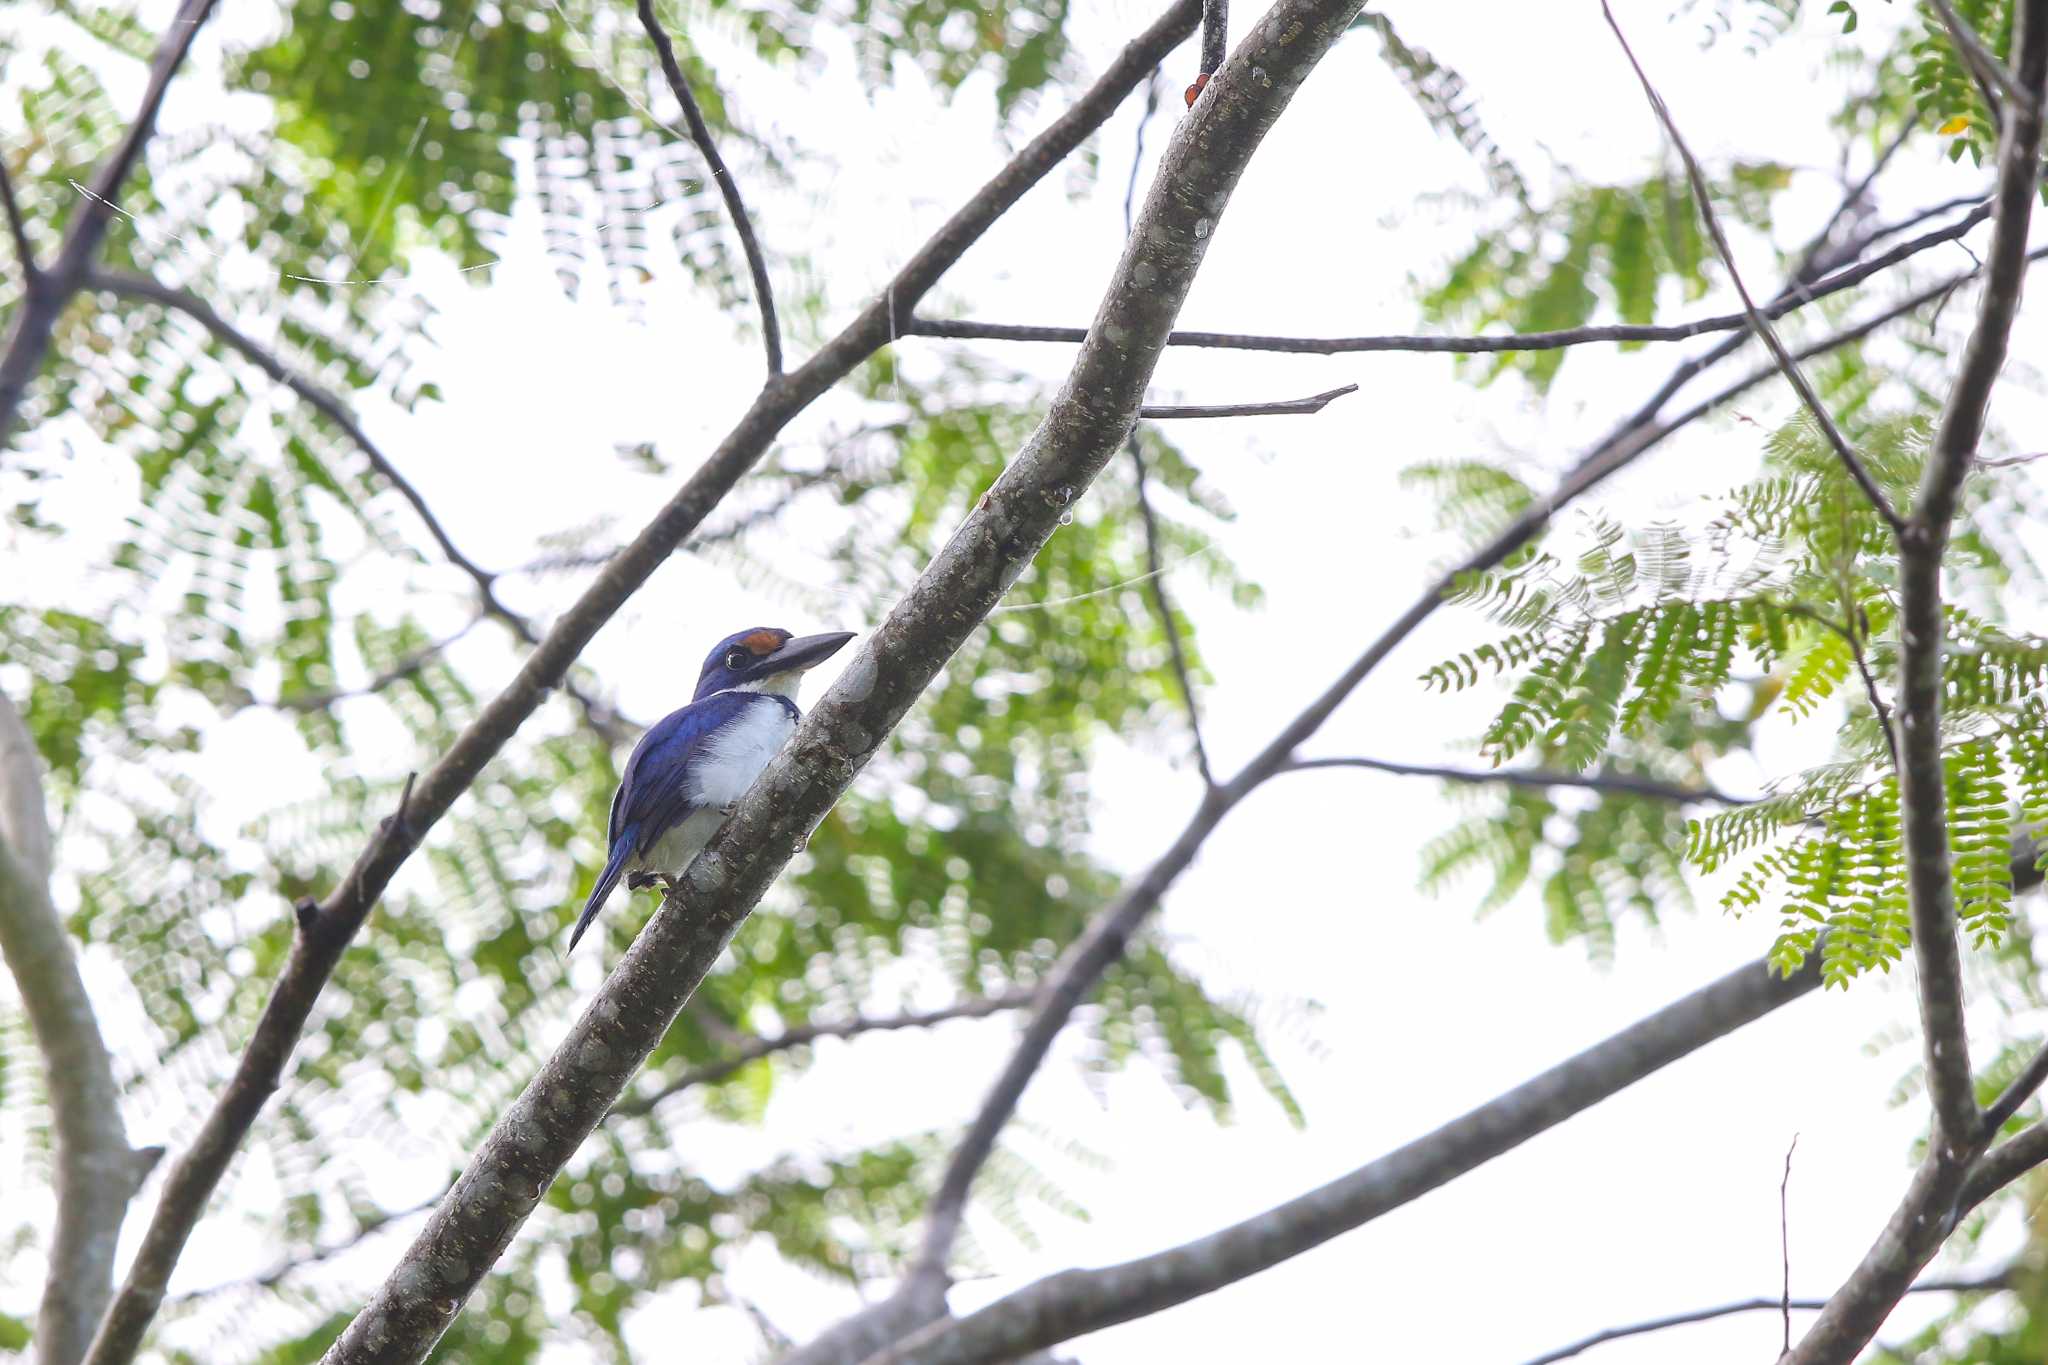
[[645, 881]]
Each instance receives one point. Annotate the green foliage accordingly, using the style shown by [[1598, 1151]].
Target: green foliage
[[1621, 249], [1780, 605], [1447, 102], [1949, 96]]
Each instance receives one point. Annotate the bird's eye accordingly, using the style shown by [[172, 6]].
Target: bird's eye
[[736, 659]]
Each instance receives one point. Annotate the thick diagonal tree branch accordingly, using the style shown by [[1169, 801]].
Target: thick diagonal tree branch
[[1292, 407], [700, 133], [1925, 1216], [1169, 623], [1703, 200], [97, 1172], [334, 922], [1085, 427], [1065, 1305], [50, 288]]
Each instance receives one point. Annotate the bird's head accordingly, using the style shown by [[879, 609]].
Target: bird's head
[[765, 660]]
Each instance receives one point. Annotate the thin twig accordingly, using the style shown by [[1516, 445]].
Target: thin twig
[[1138, 150], [1703, 199], [1795, 296], [1999, 1280], [1785, 1240], [18, 227], [700, 133], [1617, 784], [1169, 624], [753, 1050], [1817, 251], [1293, 407]]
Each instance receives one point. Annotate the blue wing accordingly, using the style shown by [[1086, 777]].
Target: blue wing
[[653, 794]]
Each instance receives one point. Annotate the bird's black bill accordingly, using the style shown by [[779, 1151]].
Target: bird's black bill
[[805, 651]]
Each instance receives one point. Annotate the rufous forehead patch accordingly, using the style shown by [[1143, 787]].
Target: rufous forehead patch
[[762, 642]]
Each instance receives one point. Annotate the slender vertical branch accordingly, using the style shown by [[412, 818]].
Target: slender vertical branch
[[1923, 796], [36, 320], [1953, 1171], [1168, 622], [1785, 1241], [1759, 324], [97, 1172], [700, 133]]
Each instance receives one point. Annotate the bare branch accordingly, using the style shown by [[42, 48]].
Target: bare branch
[[1616, 784], [1818, 249], [1703, 199], [36, 320], [1169, 624], [1982, 1284], [1065, 1305], [18, 227], [980, 1007], [336, 919], [1952, 1169], [97, 1171], [1794, 297], [700, 133], [1292, 407]]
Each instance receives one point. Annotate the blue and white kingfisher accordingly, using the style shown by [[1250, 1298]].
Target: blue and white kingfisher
[[692, 765]]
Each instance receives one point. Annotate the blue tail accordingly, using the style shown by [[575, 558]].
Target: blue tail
[[606, 880]]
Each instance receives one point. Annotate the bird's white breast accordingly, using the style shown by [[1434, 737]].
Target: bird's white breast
[[733, 756]]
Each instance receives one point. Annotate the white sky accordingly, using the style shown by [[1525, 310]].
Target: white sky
[[1663, 1199]]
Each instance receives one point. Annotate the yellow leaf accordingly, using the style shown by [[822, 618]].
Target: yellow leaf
[[1959, 123]]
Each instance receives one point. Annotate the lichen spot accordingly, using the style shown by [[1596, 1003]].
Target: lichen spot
[[762, 643]]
